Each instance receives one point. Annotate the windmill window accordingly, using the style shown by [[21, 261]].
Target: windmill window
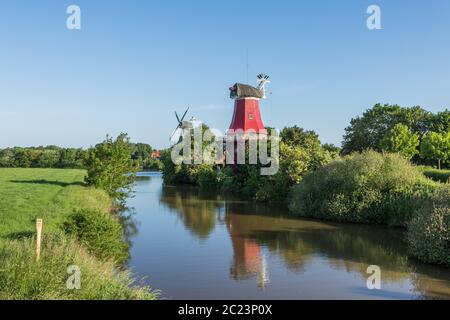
[[250, 116]]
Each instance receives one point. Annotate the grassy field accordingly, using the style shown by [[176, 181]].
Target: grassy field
[[26, 194], [53, 195]]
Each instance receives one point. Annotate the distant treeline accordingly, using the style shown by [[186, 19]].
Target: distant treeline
[[73, 158]]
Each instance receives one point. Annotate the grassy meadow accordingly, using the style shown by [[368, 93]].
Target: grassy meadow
[[56, 196], [27, 194]]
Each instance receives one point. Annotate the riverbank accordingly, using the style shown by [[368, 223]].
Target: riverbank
[[61, 199]]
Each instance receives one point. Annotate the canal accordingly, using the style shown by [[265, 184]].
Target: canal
[[192, 245]]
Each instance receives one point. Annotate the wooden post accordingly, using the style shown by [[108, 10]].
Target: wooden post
[[38, 238]]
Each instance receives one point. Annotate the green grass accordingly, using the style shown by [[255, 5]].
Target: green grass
[[436, 174], [53, 195], [26, 194], [21, 277]]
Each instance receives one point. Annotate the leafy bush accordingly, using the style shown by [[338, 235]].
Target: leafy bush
[[21, 277], [225, 179], [207, 178], [110, 167], [428, 234], [173, 173], [99, 232], [273, 188], [366, 187], [250, 180]]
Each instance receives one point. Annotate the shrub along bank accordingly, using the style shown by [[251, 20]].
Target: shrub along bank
[[368, 187], [99, 232], [429, 231]]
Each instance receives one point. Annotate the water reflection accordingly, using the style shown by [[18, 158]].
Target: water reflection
[[258, 231], [198, 214]]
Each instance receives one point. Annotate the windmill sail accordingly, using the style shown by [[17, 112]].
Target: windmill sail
[[179, 126]]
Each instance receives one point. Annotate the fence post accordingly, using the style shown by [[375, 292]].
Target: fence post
[[38, 238]]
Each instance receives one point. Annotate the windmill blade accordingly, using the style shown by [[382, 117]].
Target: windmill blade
[[173, 133], [176, 115], [182, 118]]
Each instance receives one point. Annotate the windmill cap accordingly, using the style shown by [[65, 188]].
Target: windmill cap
[[240, 90]]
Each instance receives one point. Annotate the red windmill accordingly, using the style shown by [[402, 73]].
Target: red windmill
[[246, 116]]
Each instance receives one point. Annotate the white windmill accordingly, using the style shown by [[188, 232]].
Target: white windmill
[[183, 127]]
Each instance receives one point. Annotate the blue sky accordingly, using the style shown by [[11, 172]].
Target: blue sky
[[134, 62]]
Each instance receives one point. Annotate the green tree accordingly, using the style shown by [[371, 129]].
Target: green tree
[[48, 158], [367, 131], [6, 158], [141, 151], [142, 154], [436, 146], [71, 158], [300, 151], [25, 157], [441, 122], [401, 140], [110, 167], [189, 173], [331, 148], [307, 140], [296, 136]]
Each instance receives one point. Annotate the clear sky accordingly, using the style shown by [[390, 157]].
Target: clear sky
[[134, 62]]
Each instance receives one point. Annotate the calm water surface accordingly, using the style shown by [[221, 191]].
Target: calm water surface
[[197, 246]]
